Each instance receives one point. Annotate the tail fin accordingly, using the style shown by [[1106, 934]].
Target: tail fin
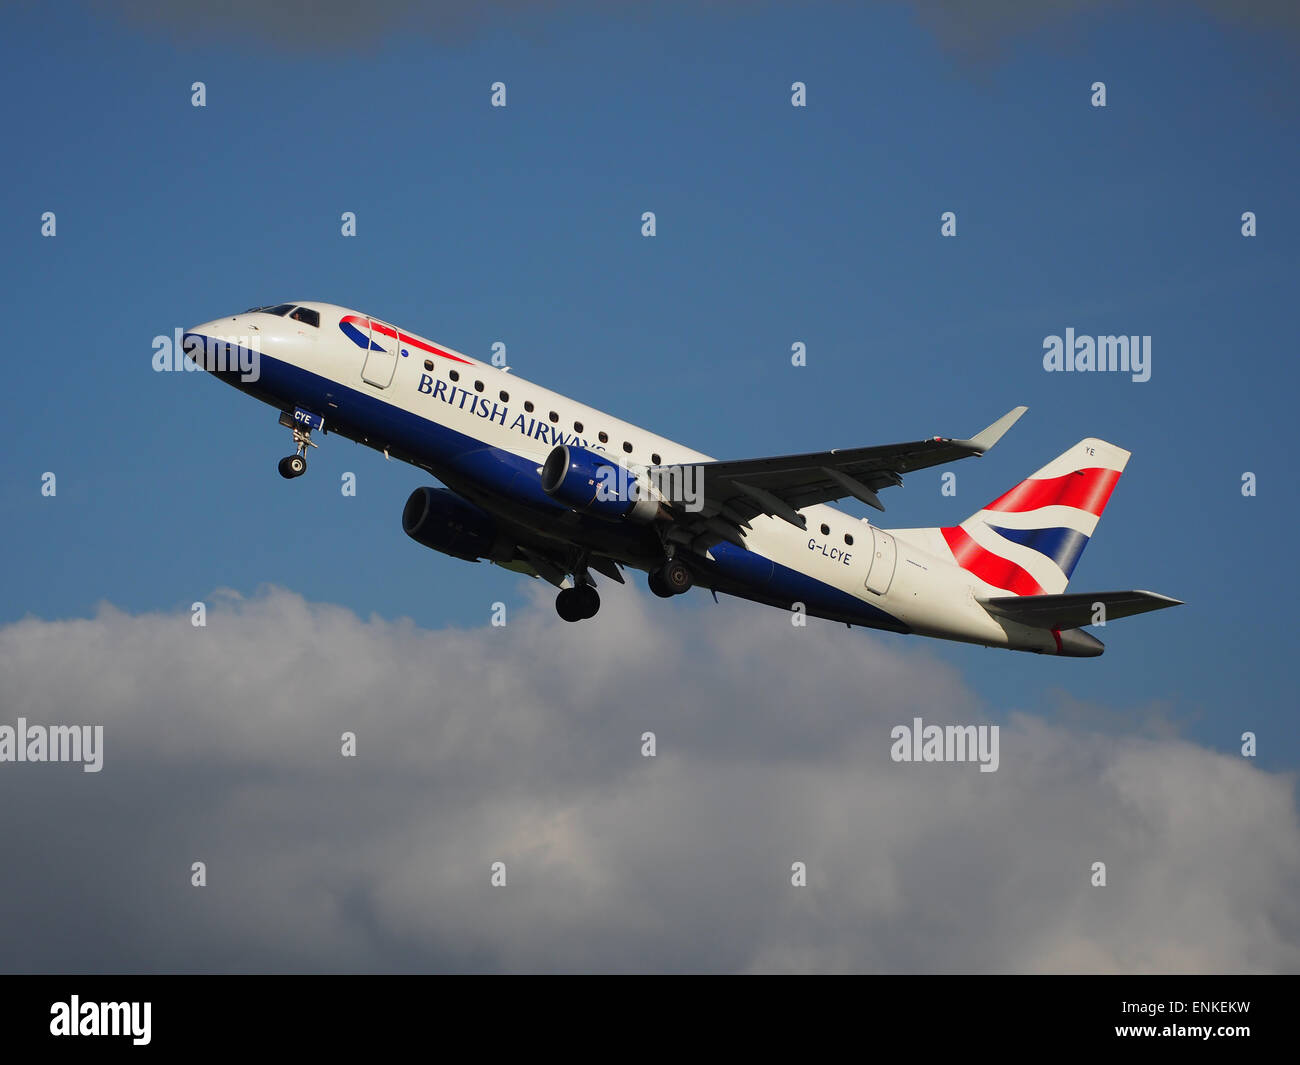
[[1028, 540]]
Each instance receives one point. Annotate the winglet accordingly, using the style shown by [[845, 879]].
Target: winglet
[[984, 440]]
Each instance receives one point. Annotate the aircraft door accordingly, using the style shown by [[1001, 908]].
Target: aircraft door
[[884, 557], [381, 358]]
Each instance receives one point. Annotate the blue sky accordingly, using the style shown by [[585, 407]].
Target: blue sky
[[775, 224]]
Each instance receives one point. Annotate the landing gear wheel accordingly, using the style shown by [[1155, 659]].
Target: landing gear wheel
[[293, 466], [676, 577], [657, 585], [568, 605], [588, 600]]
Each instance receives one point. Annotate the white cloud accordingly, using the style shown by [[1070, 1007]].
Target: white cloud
[[522, 745]]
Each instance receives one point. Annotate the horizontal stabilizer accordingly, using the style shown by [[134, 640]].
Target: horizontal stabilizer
[[1075, 609]]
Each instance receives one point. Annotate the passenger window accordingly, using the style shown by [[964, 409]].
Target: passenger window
[[454, 375], [848, 539], [528, 406], [627, 447], [826, 530], [554, 417], [505, 396], [655, 459], [577, 427], [428, 365], [478, 386], [604, 437]]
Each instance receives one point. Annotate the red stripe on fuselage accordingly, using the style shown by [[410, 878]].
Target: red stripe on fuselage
[[402, 338], [407, 339], [988, 567], [1088, 490]]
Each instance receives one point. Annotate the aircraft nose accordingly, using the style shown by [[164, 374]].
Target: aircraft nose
[[217, 327], [194, 340], [223, 347]]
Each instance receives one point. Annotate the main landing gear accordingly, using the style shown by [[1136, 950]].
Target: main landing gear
[[672, 578], [295, 465], [582, 600], [577, 603]]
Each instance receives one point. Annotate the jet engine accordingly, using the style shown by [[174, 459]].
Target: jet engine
[[595, 484], [442, 520]]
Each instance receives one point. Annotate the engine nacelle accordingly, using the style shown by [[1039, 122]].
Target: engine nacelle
[[597, 485], [442, 520]]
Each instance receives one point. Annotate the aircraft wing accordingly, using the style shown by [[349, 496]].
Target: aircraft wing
[[735, 492]]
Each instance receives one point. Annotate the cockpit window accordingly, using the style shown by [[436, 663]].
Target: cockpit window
[[280, 310], [307, 316]]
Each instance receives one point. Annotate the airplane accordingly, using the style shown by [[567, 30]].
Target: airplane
[[549, 487]]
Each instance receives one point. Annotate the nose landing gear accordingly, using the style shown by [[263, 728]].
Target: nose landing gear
[[301, 423]]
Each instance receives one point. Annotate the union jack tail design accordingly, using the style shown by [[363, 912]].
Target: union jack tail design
[[1028, 540]]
